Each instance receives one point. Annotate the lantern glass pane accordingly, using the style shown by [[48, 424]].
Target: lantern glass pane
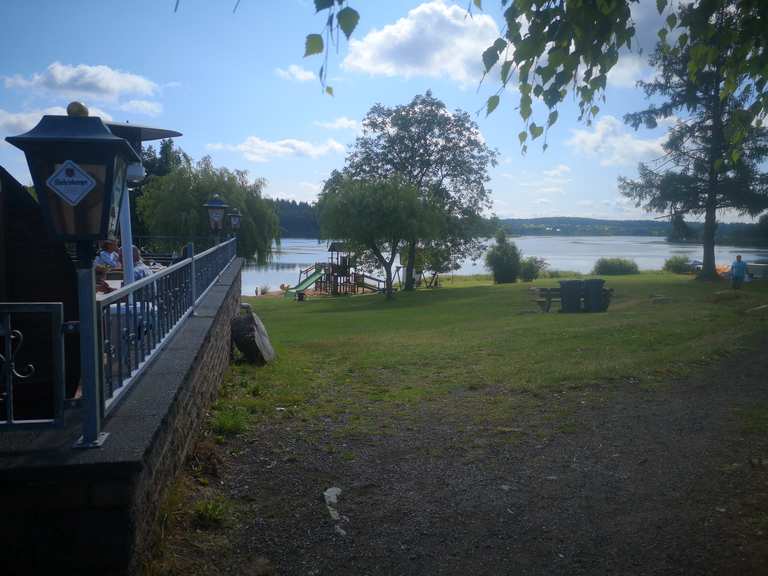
[[83, 219], [217, 218]]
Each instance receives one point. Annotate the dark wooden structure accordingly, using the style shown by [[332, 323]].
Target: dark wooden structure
[[35, 268], [339, 275]]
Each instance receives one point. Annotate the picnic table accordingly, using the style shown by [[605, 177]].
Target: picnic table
[[576, 296]]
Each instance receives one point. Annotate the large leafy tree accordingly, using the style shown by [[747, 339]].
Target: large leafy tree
[[713, 155], [172, 205], [551, 47], [442, 155], [375, 218]]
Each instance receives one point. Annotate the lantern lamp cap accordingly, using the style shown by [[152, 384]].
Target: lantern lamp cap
[[77, 109]]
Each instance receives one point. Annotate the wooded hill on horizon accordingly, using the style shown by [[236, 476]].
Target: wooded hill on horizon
[[299, 220]]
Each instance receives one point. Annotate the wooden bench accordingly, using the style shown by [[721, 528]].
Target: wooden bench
[[545, 297]]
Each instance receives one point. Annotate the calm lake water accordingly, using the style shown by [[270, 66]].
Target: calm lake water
[[576, 253]]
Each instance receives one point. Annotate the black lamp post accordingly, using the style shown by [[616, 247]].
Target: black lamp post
[[216, 208], [79, 171], [234, 221]]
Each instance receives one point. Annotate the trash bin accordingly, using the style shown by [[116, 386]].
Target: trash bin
[[570, 295], [594, 301]]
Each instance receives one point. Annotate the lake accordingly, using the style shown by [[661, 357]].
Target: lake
[[576, 253]]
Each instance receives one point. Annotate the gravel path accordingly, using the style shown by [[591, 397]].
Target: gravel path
[[663, 481]]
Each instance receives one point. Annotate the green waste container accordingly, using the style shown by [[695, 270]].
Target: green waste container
[[570, 295], [594, 301]]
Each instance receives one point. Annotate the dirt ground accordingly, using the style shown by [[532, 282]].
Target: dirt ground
[[669, 480]]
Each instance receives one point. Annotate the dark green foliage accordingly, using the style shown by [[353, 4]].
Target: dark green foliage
[[503, 259], [297, 219], [615, 267], [680, 230], [172, 205], [678, 265], [531, 268]]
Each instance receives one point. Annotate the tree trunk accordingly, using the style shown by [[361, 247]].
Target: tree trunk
[[388, 280], [410, 278], [708, 270]]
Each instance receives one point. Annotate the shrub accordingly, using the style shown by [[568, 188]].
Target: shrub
[[503, 259], [230, 420], [211, 512], [615, 266], [531, 268], [264, 289], [678, 265]]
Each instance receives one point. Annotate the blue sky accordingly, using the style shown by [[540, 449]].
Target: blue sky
[[239, 89]]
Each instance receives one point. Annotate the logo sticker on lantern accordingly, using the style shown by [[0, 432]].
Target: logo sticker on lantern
[[71, 183]]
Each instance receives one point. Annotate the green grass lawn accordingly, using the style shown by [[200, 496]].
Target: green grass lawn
[[487, 345]]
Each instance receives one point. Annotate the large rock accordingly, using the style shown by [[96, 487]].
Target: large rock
[[251, 338]]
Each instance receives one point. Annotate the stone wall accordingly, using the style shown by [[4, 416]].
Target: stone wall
[[94, 511]]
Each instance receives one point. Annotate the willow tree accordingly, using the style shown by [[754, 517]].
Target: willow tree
[[443, 156], [714, 153], [172, 205]]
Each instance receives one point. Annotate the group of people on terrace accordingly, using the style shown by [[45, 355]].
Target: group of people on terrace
[[109, 258]]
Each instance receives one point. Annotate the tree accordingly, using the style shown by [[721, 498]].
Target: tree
[[701, 173], [503, 259], [762, 227], [680, 230], [374, 218], [438, 152], [172, 205], [553, 46], [166, 161]]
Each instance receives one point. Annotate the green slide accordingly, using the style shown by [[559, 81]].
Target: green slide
[[304, 284]]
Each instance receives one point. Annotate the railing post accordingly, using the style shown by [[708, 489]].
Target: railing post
[[92, 436], [191, 247]]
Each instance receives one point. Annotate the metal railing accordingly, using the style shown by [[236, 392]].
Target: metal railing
[[31, 363], [139, 319]]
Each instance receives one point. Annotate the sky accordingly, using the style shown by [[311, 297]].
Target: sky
[[238, 88]]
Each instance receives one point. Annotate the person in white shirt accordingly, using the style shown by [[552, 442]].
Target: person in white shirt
[[107, 256], [140, 269]]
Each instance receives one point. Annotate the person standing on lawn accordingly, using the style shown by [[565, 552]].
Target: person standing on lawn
[[738, 272]]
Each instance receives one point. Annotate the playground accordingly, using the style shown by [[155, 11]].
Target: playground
[[463, 431], [340, 276]]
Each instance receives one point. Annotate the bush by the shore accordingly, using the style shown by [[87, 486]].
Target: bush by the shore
[[678, 265], [615, 267]]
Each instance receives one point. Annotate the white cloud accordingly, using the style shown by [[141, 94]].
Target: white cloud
[[433, 40], [146, 107], [82, 80], [558, 171], [13, 123], [340, 123], [628, 70], [259, 150], [609, 140], [313, 187], [296, 73]]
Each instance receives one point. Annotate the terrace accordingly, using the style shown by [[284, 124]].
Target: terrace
[[129, 383]]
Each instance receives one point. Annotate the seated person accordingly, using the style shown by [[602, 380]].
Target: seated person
[[140, 269], [102, 287], [107, 256]]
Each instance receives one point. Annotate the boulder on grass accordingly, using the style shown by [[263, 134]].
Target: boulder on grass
[[251, 338]]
